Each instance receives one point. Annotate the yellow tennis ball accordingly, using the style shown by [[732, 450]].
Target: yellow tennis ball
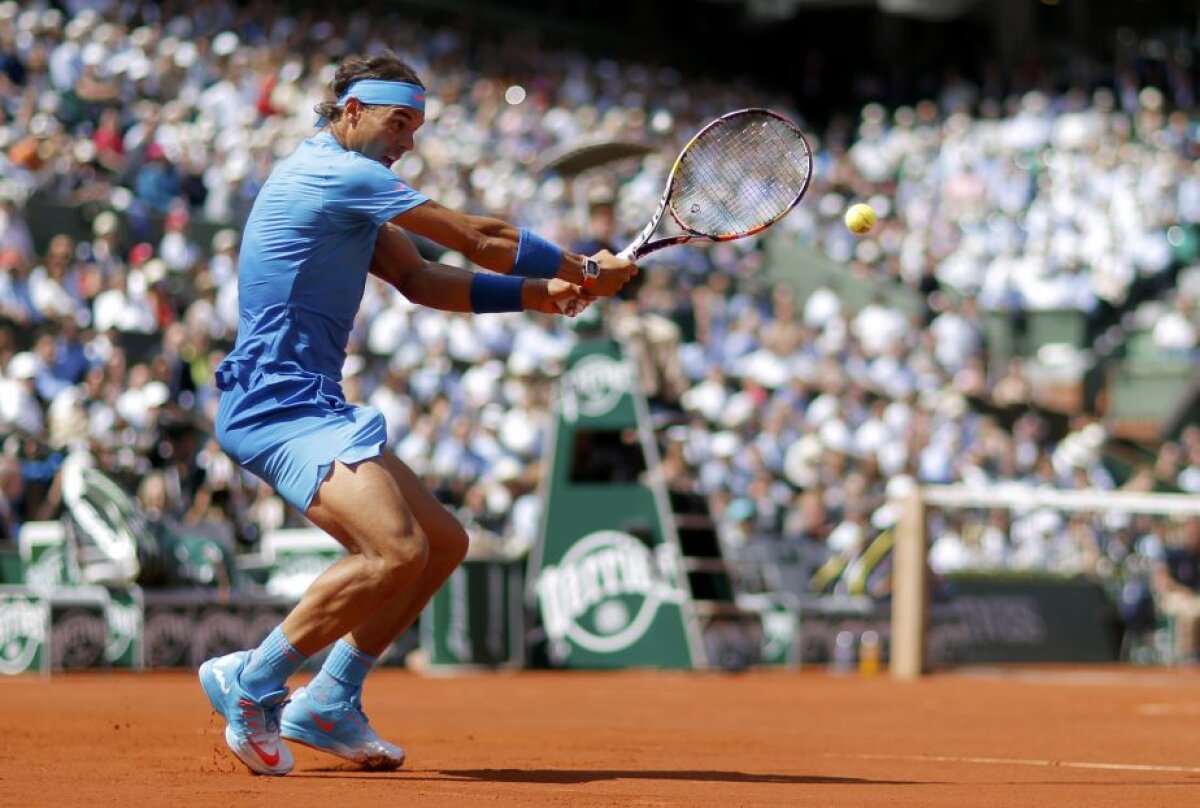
[[860, 219]]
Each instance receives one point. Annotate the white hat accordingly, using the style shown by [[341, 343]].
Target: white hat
[[93, 54], [506, 469], [155, 394], [499, 500], [491, 416], [797, 468], [106, 223], [885, 516], [724, 444], [224, 239], [835, 435], [1074, 454], [1093, 436], [185, 55], [225, 43], [154, 270], [900, 486], [23, 365]]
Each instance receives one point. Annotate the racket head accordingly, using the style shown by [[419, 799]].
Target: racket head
[[739, 175]]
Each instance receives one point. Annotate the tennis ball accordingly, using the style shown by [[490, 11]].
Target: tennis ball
[[860, 219]]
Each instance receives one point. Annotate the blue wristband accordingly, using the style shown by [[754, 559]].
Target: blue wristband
[[536, 257], [493, 293]]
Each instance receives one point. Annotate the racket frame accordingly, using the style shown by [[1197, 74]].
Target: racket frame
[[642, 246]]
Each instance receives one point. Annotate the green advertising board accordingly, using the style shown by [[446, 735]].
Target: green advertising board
[[124, 615], [24, 631], [606, 576], [476, 619], [43, 547]]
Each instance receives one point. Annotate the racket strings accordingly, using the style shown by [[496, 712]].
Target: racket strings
[[740, 175]]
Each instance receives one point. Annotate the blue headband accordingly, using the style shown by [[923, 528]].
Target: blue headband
[[384, 93]]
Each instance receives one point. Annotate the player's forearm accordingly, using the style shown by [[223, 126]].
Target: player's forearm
[[499, 246], [493, 244], [448, 288], [438, 286], [498, 249]]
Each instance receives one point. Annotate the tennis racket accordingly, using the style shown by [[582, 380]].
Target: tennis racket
[[738, 176]]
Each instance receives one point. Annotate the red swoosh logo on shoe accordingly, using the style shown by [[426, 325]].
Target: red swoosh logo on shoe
[[270, 759], [322, 723]]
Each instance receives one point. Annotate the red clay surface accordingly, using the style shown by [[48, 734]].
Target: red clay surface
[[1094, 737]]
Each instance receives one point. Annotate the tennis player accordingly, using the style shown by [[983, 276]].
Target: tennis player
[[330, 213]]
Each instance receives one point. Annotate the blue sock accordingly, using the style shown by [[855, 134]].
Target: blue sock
[[270, 664], [341, 677]]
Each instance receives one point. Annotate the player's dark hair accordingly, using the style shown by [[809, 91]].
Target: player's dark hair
[[384, 65]]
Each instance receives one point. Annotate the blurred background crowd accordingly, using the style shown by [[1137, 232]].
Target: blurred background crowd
[[800, 416]]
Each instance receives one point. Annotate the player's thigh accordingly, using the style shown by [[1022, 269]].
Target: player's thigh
[[447, 538], [366, 509]]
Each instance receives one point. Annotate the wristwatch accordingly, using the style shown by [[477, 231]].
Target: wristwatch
[[591, 272]]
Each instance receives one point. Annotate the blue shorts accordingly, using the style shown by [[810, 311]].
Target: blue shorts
[[288, 430]]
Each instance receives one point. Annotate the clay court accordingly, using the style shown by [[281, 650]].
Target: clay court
[[1095, 737]]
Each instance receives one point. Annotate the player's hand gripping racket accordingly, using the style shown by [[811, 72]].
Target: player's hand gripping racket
[[737, 177]]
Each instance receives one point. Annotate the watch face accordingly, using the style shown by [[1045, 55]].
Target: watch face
[[590, 268]]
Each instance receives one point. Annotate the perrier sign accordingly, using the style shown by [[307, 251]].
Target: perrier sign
[[606, 575]]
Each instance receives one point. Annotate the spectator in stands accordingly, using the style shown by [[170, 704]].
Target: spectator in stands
[[14, 230], [124, 305], [1189, 477], [1175, 332], [157, 182], [1177, 589], [18, 394], [12, 483], [52, 284], [16, 290]]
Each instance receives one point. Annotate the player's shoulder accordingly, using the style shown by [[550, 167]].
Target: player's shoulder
[[355, 171]]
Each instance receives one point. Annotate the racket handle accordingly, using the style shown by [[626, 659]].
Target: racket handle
[[572, 308]]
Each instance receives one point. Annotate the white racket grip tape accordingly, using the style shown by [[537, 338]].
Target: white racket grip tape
[[572, 308]]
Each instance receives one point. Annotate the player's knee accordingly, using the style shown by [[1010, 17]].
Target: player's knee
[[402, 560]]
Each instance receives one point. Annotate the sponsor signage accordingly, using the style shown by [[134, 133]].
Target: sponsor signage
[[606, 578], [24, 631], [182, 628], [123, 615], [985, 618], [43, 547]]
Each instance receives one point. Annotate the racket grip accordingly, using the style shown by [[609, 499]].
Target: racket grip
[[572, 308]]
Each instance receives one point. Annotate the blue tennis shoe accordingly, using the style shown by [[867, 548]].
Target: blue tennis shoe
[[340, 729], [252, 725]]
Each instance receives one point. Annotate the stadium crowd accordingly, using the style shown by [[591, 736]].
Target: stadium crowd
[[799, 418]]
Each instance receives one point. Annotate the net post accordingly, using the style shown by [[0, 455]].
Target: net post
[[910, 590]]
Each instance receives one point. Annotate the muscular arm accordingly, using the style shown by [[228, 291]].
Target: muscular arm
[[485, 241], [492, 243], [448, 288], [438, 286]]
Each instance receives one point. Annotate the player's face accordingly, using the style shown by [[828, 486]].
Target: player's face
[[390, 132]]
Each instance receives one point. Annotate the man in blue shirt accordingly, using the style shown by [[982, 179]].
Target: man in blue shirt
[[328, 214]]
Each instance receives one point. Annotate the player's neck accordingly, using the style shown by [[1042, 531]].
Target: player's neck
[[340, 135]]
